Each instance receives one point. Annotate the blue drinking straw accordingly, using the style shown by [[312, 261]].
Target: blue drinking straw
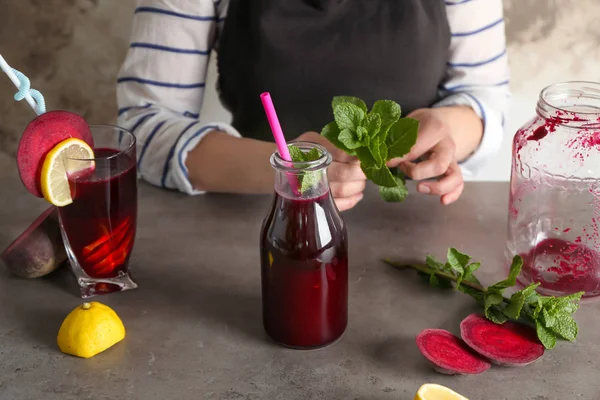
[[33, 97]]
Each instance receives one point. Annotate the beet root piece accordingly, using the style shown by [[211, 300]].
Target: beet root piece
[[449, 354], [40, 136], [509, 344], [39, 250]]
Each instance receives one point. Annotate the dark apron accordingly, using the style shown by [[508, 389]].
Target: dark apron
[[305, 52]]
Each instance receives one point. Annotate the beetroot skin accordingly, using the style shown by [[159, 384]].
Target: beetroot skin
[[449, 354], [40, 136], [39, 250], [509, 344]]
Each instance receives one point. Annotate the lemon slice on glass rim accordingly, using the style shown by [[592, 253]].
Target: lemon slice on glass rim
[[54, 180], [432, 391]]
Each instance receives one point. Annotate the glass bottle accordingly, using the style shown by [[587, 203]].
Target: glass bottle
[[554, 206], [304, 257]]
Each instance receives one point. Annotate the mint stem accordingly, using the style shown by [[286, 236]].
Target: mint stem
[[428, 270]]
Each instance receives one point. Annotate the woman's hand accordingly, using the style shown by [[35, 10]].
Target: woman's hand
[[346, 178], [437, 150]]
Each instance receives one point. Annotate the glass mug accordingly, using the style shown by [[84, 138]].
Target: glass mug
[[98, 228]]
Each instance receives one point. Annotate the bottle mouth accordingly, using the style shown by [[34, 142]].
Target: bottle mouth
[[323, 161], [574, 104]]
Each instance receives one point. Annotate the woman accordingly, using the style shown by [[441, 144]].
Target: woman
[[445, 63]]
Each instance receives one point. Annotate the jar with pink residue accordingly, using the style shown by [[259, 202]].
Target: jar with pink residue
[[554, 206]]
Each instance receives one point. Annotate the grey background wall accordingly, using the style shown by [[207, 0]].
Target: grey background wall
[[72, 49]]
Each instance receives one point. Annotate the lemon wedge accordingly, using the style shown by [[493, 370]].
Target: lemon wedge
[[432, 391], [53, 180], [90, 329]]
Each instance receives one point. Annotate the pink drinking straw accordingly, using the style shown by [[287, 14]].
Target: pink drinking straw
[[282, 147], [275, 126]]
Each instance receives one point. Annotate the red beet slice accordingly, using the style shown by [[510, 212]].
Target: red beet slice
[[449, 354], [509, 344], [39, 250], [40, 136]]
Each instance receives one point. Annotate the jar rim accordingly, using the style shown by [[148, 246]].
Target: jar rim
[[571, 103], [280, 164]]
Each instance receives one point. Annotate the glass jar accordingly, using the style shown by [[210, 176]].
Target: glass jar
[[304, 257], [554, 206]]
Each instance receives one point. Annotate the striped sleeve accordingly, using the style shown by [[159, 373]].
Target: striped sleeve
[[477, 71], [160, 87]]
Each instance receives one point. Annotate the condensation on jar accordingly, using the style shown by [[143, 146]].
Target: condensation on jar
[[554, 205]]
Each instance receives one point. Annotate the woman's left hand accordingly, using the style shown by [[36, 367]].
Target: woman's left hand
[[437, 150]]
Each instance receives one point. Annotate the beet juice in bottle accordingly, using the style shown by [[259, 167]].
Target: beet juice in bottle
[[304, 256]]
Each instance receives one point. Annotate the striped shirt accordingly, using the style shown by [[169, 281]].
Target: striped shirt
[[161, 83]]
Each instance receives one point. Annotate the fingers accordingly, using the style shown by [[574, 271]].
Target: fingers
[[337, 154], [347, 189], [346, 203], [431, 132], [437, 164], [342, 172], [340, 156], [453, 196], [449, 188]]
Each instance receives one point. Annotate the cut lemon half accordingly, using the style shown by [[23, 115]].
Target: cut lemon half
[[54, 181], [432, 391]]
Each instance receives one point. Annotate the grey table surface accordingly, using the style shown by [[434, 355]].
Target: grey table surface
[[194, 325]]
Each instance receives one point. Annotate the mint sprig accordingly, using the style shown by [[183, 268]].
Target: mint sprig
[[551, 316], [307, 179], [374, 137]]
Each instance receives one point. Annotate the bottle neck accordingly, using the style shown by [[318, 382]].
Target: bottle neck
[[302, 180], [571, 104]]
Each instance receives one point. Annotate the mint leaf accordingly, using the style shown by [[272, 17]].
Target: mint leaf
[[402, 137], [565, 326], [296, 154], [307, 179], [363, 135], [568, 304], [374, 150], [389, 111], [496, 315], [331, 132], [469, 275], [383, 153], [312, 155], [438, 282], [434, 281], [549, 319], [490, 300], [545, 335], [518, 300], [474, 293], [433, 263], [365, 158], [372, 123], [380, 176], [457, 260], [539, 305], [348, 116], [337, 100], [515, 270], [348, 139], [394, 194]]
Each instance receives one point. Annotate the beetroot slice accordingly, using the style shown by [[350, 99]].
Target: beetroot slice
[[509, 344], [40, 136], [449, 354], [39, 250]]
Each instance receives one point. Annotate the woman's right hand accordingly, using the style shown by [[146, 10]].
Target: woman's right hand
[[346, 178]]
